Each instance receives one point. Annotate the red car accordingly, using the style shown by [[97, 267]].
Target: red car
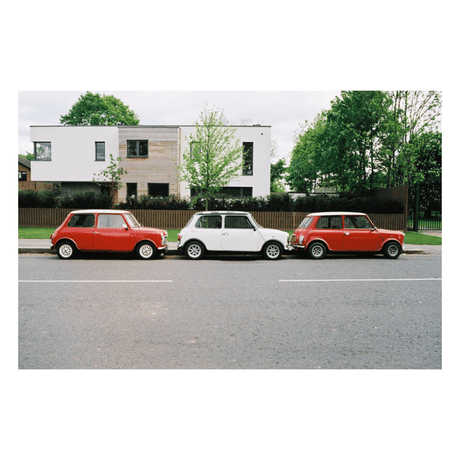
[[323, 232], [107, 231]]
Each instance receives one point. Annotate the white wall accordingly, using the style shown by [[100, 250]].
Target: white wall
[[73, 152], [260, 180]]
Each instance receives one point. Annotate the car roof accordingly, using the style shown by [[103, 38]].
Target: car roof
[[237, 213], [335, 213], [99, 211]]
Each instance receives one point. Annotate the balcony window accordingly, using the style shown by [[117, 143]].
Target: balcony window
[[42, 151]]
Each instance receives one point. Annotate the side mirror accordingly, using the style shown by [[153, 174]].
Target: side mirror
[[125, 226]]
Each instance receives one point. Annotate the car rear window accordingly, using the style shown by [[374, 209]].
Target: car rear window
[[81, 220], [306, 222], [209, 222], [329, 223]]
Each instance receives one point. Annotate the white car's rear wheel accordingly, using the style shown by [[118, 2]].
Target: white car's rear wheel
[[194, 250]]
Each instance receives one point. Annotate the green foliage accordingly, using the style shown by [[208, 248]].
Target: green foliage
[[38, 199], [214, 156], [111, 175], [96, 110], [86, 200], [147, 202], [277, 173], [367, 140], [28, 156]]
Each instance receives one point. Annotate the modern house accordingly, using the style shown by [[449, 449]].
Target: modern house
[[72, 155]]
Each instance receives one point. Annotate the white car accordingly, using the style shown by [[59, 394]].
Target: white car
[[229, 231]]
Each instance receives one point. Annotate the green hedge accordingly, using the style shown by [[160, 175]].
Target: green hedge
[[273, 203]]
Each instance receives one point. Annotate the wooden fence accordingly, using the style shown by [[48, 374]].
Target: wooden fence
[[50, 217]]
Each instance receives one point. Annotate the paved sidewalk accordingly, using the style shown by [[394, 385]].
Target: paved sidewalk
[[26, 246]]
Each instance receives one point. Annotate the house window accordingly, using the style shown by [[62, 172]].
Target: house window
[[42, 151], [131, 190], [158, 190], [248, 154], [138, 149], [237, 192], [194, 148], [22, 175], [100, 151]]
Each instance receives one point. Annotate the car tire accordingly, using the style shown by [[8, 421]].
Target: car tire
[[272, 251], [66, 250], [392, 250], [316, 250], [146, 251], [194, 250]]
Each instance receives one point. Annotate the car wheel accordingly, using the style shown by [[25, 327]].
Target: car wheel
[[194, 250], [392, 250], [146, 251], [317, 250], [273, 251], [66, 250]]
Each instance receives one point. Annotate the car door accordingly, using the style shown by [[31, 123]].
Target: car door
[[239, 234], [113, 234], [359, 235], [208, 229]]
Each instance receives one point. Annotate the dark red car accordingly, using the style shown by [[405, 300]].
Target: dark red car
[[323, 232], [107, 231]]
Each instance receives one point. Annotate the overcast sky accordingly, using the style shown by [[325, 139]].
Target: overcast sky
[[282, 110]]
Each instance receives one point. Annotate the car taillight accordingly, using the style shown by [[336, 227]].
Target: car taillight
[[293, 238], [179, 237]]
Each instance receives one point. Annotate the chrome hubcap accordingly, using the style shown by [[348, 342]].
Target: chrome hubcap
[[392, 250], [317, 251], [146, 251], [65, 250], [194, 250], [273, 251]]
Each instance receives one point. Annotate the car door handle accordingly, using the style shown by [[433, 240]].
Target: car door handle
[[346, 233], [225, 233]]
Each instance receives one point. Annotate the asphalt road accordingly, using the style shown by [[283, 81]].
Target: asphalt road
[[116, 312]]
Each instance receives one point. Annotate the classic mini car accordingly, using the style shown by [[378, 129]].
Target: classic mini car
[[228, 231], [107, 231], [323, 232]]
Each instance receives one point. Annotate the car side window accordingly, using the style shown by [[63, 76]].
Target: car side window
[[81, 220], [237, 222], [110, 221], [357, 222], [329, 223], [209, 222]]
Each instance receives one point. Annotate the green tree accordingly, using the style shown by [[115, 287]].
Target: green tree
[[214, 156], [110, 176], [277, 173], [29, 156], [97, 110], [305, 169]]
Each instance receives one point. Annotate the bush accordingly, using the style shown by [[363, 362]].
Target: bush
[[37, 199], [86, 200]]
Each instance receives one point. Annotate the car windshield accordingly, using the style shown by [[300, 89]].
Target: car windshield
[[251, 218], [132, 221]]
